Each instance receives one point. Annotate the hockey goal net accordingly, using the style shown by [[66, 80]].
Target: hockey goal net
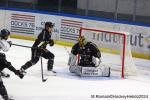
[[116, 43]]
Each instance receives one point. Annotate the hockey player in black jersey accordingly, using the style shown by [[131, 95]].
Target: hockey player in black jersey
[[4, 46], [89, 60], [86, 50], [39, 49]]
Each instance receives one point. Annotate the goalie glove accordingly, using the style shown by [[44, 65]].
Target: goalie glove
[[72, 59], [96, 61]]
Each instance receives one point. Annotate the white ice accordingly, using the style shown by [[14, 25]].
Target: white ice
[[66, 86]]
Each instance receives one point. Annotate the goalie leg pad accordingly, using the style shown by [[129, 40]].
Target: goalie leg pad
[[75, 69], [72, 60], [79, 70], [102, 71], [105, 70], [91, 71], [72, 69]]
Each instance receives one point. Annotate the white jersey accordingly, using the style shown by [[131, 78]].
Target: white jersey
[[4, 45]]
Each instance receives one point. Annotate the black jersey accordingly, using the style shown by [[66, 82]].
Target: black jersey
[[86, 53], [43, 39]]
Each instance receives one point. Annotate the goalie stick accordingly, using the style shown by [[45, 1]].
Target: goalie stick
[[67, 50]]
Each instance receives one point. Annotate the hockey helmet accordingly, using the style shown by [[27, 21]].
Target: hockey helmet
[[49, 24], [4, 33], [82, 41]]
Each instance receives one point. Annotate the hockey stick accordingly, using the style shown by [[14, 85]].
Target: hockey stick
[[67, 50], [43, 80], [22, 45]]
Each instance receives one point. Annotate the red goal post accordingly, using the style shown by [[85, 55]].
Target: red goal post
[[94, 34]]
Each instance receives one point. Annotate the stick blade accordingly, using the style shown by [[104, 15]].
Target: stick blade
[[44, 80]]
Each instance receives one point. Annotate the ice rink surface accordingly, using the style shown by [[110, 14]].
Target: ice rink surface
[[66, 86]]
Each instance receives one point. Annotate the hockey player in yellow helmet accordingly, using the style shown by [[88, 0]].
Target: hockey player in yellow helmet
[[82, 41]]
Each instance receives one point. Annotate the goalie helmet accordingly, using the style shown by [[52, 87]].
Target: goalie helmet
[[82, 41], [49, 24], [4, 33]]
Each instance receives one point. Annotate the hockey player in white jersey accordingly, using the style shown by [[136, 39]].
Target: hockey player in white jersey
[[4, 46], [89, 62]]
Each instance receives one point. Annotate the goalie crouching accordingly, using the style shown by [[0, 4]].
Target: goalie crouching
[[89, 63]]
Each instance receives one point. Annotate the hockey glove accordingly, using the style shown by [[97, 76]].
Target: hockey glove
[[96, 61], [2, 56], [10, 43], [51, 42], [19, 74]]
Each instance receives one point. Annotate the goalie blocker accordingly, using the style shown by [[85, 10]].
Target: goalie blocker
[[89, 60]]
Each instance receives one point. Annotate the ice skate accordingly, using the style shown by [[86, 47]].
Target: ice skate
[[8, 98], [51, 73]]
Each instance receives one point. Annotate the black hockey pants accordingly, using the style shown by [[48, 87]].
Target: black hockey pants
[[3, 91], [5, 64], [36, 54]]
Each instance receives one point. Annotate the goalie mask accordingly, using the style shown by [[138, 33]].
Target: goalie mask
[[82, 41]]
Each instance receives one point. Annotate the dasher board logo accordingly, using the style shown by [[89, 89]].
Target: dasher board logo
[[21, 23], [70, 29]]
